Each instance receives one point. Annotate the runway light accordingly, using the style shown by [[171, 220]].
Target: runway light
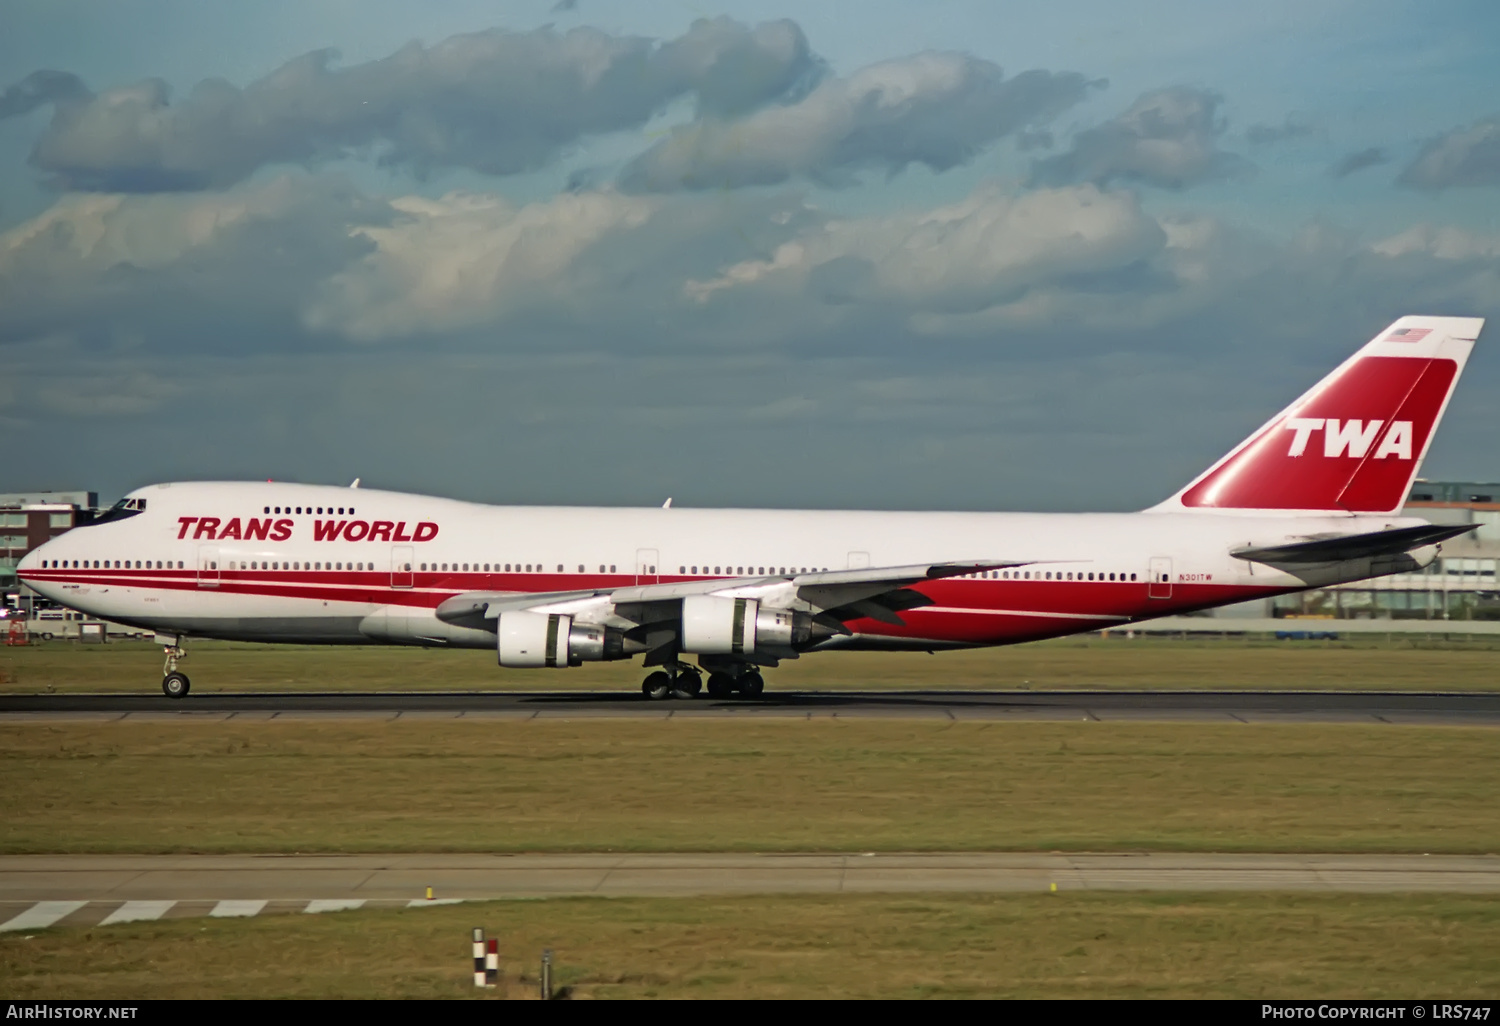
[[1054, 888], [429, 894]]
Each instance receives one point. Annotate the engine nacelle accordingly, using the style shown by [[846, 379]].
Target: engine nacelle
[[530, 640], [715, 625]]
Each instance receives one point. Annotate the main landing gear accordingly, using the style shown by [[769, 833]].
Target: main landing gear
[[173, 683], [679, 680]]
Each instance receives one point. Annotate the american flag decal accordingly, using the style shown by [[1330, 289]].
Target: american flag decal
[[1408, 335]]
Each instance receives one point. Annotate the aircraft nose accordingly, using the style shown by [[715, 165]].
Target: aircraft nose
[[33, 560]]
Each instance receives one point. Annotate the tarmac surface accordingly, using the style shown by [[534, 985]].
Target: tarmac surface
[[43, 890], [1429, 708]]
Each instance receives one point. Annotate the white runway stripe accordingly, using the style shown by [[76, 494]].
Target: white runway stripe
[[42, 914], [137, 911], [225, 909], [333, 904], [424, 903]]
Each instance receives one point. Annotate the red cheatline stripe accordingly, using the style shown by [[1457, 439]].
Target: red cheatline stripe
[[958, 598]]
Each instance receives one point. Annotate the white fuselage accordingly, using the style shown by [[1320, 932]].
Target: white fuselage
[[308, 563]]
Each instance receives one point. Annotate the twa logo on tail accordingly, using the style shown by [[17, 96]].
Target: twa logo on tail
[[1356, 439], [1352, 438]]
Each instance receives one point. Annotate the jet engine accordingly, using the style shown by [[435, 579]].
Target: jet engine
[[715, 625], [530, 640]]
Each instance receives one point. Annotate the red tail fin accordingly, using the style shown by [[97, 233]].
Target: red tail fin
[[1355, 441]]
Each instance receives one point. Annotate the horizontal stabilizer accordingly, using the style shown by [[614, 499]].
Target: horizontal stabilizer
[[1354, 546]]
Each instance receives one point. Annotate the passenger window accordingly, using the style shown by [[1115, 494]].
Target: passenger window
[[611, 568], [559, 568], [268, 509], [408, 566], [528, 568]]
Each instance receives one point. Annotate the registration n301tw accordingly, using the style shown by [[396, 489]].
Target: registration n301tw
[[1308, 500]]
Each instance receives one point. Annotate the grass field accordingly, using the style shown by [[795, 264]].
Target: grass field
[[758, 785], [1362, 662], [1084, 945]]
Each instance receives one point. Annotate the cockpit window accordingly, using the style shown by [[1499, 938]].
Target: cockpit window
[[124, 509]]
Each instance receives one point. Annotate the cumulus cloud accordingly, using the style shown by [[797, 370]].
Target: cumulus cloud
[[989, 250], [1168, 138], [1463, 157], [463, 260], [1372, 157], [38, 89], [497, 102], [936, 109], [205, 272], [1443, 242]]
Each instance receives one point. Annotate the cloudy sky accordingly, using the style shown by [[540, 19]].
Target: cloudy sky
[[951, 254]]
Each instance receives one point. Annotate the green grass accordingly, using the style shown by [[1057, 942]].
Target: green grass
[[756, 785], [1360, 662], [1088, 945]]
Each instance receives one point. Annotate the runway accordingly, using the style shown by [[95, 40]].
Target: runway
[[41, 890], [1428, 708]]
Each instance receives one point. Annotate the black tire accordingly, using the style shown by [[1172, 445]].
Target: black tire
[[176, 685], [657, 685], [687, 685], [720, 685], [752, 685]]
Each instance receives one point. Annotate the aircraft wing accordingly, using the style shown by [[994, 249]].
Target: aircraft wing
[[1354, 546], [839, 595]]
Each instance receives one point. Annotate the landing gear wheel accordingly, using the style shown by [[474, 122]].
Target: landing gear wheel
[[721, 685], [752, 685], [687, 684], [657, 685], [175, 685]]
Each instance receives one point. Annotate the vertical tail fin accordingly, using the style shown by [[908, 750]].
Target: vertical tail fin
[[1354, 442]]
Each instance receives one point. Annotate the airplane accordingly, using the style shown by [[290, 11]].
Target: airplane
[[1310, 499]]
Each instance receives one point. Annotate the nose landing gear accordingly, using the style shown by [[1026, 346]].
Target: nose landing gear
[[173, 683]]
